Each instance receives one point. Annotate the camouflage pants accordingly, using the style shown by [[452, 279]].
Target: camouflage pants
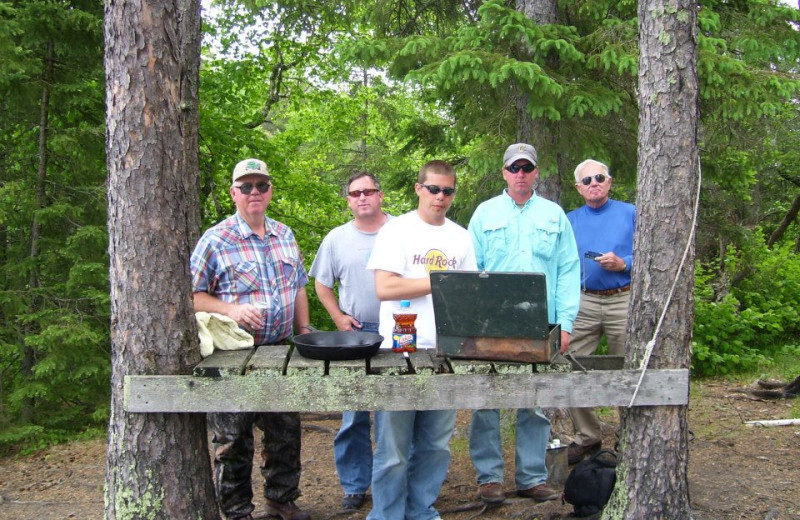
[[233, 458]]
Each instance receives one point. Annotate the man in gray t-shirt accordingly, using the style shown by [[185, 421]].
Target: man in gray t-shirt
[[342, 260]]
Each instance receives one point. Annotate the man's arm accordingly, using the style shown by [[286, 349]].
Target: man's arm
[[328, 299], [392, 286], [245, 314], [568, 285], [301, 316]]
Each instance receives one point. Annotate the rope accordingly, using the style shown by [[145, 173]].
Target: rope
[[652, 343]]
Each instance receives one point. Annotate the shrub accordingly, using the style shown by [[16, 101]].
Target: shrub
[[738, 331]]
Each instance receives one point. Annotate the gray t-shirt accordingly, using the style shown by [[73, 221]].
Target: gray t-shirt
[[342, 258]]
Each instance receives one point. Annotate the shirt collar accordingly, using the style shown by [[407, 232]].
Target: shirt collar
[[244, 229], [514, 203]]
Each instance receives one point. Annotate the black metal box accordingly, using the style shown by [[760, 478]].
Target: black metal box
[[493, 316]]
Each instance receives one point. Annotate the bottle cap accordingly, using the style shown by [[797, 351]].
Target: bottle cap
[[405, 303]]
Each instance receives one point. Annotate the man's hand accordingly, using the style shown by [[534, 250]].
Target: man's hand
[[346, 322], [247, 315], [610, 262], [564, 342]]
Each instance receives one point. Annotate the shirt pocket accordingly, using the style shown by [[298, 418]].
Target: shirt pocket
[[246, 277], [289, 269], [545, 239], [495, 235]]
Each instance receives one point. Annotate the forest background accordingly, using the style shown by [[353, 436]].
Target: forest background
[[319, 89]]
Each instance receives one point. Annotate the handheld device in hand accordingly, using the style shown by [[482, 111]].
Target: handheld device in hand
[[592, 254]]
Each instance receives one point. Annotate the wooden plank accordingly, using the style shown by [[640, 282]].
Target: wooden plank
[[348, 365], [422, 362], [269, 360], [597, 362], [223, 363], [310, 393], [388, 363], [504, 367], [302, 365], [473, 366]]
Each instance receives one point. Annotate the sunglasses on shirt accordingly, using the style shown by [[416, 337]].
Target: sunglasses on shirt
[[247, 187], [369, 192], [527, 168], [600, 178], [435, 190]]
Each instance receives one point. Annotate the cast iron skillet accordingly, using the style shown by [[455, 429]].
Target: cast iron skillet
[[338, 345]]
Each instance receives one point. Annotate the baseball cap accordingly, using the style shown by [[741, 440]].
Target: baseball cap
[[250, 167], [519, 151]]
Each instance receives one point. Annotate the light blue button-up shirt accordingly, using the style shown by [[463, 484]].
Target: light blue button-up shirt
[[536, 238]]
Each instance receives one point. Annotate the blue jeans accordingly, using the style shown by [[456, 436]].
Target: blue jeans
[[352, 447], [486, 450], [411, 461], [352, 451]]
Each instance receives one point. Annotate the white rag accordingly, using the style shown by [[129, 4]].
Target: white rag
[[222, 332]]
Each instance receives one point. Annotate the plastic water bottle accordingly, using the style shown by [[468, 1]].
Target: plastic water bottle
[[404, 335]]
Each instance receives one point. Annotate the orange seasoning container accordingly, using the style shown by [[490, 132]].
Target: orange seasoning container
[[404, 335]]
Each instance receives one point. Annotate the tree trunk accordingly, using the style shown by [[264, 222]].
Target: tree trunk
[[790, 216], [538, 132], [652, 475], [157, 465], [35, 304]]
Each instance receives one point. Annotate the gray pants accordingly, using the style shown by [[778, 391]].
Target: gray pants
[[598, 315]]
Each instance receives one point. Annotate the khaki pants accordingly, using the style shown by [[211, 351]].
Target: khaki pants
[[598, 315]]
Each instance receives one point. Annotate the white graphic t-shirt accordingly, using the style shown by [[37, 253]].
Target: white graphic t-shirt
[[412, 248]]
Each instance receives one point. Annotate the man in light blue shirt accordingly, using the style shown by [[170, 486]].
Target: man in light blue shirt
[[518, 231]]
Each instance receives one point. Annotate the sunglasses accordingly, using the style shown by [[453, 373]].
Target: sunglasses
[[435, 190], [527, 168], [247, 187], [599, 177], [369, 192]]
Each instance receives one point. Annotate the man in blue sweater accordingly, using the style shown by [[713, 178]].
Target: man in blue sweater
[[519, 231], [604, 232]]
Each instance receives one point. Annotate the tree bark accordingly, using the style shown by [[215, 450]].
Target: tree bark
[[157, 465], [538, 132], [652, 475]]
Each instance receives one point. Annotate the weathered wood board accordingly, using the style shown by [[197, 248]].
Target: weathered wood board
[[354, 390], [223, 363]]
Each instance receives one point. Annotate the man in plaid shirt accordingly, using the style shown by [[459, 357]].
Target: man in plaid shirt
[[248, 267]]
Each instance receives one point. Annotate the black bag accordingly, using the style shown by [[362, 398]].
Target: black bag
[[590, 483]]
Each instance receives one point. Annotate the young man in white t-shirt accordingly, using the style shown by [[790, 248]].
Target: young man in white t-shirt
[[412, 454]]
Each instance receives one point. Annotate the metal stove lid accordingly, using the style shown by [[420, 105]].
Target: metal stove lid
[[485, 304]]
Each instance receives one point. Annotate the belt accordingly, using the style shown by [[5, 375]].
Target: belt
[[609, 292]]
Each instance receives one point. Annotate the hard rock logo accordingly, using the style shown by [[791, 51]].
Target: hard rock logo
[[435, 260]]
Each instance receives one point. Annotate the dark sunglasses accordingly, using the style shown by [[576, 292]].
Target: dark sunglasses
[[369, 192], [247, 187], [527, 168], [599, 177], [434, 189]]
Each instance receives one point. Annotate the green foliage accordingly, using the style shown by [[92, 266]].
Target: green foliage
[[54, 302], [313, 128], [740, 328], [318, 89]]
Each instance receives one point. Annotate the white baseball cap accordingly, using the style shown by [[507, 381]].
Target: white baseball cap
[[250, 167]]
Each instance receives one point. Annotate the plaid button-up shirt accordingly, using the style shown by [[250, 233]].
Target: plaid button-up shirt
[[234, 264]]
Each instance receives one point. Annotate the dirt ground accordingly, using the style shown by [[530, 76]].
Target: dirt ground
[[735, 471]]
